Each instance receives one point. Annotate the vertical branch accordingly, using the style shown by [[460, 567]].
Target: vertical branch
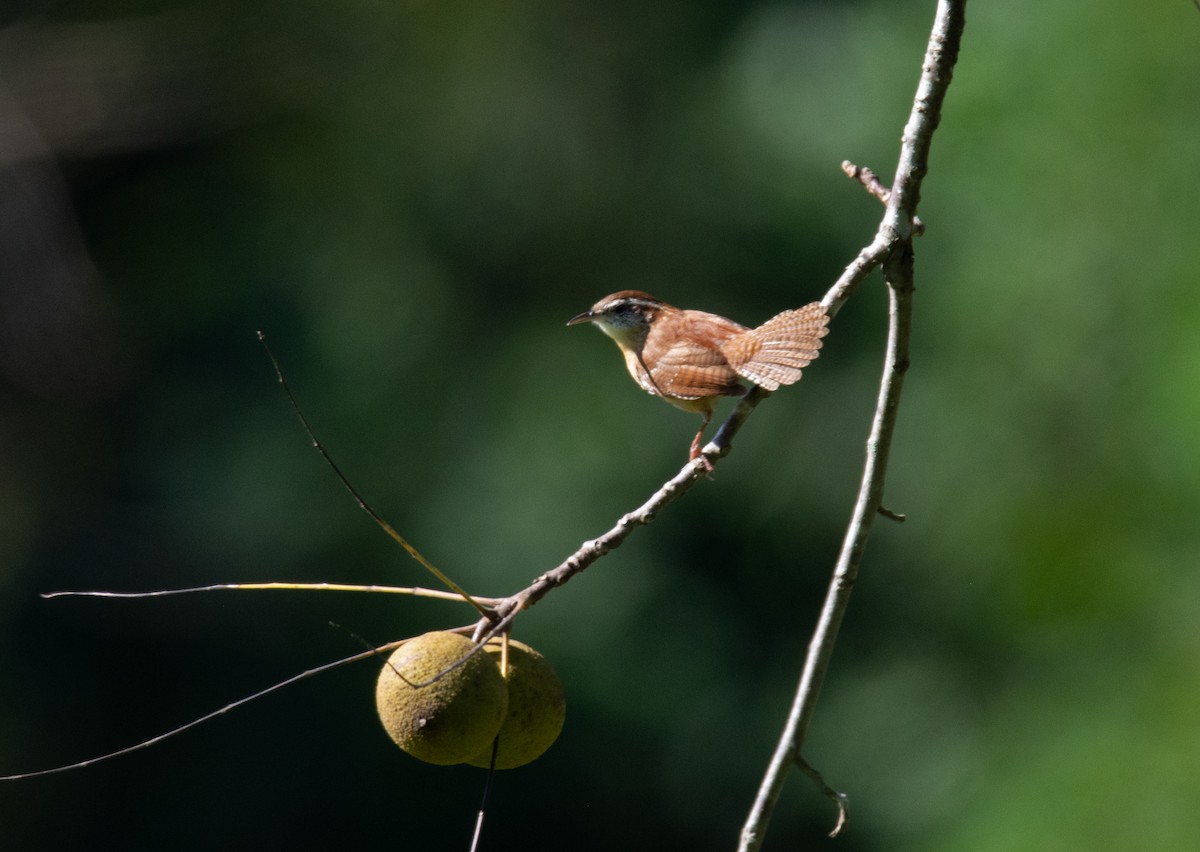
[[892, 249]]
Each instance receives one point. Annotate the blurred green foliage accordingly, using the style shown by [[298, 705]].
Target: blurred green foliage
[[411, 199]]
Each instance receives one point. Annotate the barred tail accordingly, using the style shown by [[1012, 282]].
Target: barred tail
[[774, 353]]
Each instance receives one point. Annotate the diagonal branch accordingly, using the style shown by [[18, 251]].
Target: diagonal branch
[[590, 551]]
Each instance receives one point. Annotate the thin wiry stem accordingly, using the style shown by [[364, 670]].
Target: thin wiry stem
[[415, 591], [363, 504], [221, 711]]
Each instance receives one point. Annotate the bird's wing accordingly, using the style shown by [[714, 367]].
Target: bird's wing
[[688, 359]]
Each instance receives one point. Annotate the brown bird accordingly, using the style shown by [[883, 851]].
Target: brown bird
[[692, 358]]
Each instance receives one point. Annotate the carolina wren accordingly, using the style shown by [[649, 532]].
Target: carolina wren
[[692, 358]]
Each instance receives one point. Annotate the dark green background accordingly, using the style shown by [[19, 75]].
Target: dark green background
[[411, 199]]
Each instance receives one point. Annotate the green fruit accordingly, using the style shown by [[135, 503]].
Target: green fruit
[[536, 708], [451, 719]]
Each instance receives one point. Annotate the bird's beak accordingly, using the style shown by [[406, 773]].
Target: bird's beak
[[586, 316]]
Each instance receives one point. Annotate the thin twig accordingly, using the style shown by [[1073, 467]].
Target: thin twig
[[415, 591], [874, 185], [840, 799], [868, 179], [590, 551], [358, 498], [304, 675], [892, 249]]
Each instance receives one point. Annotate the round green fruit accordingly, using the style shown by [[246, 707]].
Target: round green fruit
[[536, 708], [451, 719]]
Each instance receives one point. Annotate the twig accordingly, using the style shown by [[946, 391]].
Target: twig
[[358, 498], [875, 186], [840, 799], [415, 591], [892, 249], [304, 675], [868, 179], [590, 551], [695, 470]]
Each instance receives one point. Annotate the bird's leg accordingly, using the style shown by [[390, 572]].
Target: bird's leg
[[694, 453]]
